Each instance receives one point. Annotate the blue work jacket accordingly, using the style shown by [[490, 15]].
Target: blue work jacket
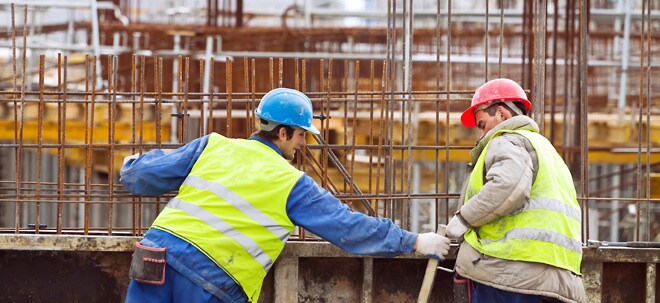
[[309, 206]]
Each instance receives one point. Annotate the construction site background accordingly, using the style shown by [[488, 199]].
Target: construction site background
[[86, 83]]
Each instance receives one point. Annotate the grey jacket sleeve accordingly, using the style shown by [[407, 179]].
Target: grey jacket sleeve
[[509, 175]]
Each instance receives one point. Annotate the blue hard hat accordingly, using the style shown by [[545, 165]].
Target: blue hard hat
[[287, 106]]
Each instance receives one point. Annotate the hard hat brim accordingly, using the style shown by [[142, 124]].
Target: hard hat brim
[[312, 129], [468, 119]]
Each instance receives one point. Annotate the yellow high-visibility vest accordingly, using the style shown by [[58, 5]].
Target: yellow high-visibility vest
[[234, 211], [548, 229]]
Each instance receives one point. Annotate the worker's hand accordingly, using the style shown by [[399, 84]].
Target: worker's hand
[[456, 228], [432, 245]]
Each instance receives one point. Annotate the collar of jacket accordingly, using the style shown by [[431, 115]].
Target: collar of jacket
[[520, 122], [267, 143]]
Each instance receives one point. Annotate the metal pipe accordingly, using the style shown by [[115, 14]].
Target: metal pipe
[[624, 56], [207, 76]]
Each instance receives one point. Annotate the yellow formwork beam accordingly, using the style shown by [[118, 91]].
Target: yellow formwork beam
[[655, 185], [605, 131], [76, 133]]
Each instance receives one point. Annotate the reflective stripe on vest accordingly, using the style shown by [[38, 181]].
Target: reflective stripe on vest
[[548, 228], [235, 212]]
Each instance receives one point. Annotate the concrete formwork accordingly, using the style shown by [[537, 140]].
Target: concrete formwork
[[40, 268]]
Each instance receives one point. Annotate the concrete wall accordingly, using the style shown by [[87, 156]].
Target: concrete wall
[[35, 268]]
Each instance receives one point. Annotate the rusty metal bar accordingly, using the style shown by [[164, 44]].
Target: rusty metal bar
[[583, 106], [648, 121], [61, 123], [486, 40], [448, 88], [40, 126], [112, 86], [538, 86], [228, 75]]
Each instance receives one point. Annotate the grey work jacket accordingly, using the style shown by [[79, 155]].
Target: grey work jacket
[[510, 169]]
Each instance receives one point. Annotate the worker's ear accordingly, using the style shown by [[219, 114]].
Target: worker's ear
[[281, 133], [503, 113]]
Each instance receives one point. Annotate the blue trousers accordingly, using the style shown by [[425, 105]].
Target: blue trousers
[[481, 293], [176, 288]]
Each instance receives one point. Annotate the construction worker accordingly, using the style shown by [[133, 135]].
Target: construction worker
[[238, 201], [519, 219]]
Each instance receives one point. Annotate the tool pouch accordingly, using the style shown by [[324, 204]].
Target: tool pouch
[[148, 265], [461, 291]]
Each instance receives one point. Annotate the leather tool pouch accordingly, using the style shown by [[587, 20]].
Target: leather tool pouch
[[148, 265]]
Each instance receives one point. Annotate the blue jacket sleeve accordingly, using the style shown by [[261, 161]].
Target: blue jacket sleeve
[[318, 211], [158, 172]]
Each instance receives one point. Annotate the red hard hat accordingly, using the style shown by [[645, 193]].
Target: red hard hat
[[494, 90]]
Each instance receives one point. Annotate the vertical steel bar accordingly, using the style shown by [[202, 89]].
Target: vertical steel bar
[[253, 89], [553, 85], [540, 26], [584, 143], [530, 52], [648, 118], [324, 150], [355, 125], [246, 88], [438, 75], [412, 107], [448, 86], [486, 44], [296, 74], [568, 66], [40, 137], [158, 83], [186, 89], [300, 157], [390, 173], [158, 88], [112, 106], [211, 106], [371, 127], [271, 76], [387, 133], [61, 138], [382, 129], [19, 135], [89, 137], [17, 149], [203, 106], [142, 88], [180, 106], [345, 104], [140, 122], [280, 77], [525, 33], [326, 111], [640, 105], [136, 201], [229, 83], [303, 88], [303, 72], [499, 65]]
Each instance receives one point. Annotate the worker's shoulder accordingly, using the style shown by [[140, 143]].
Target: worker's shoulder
[[510, 138]]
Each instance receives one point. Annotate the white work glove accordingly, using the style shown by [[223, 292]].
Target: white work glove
[[456, 228], [131, 157], [432, 245]]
